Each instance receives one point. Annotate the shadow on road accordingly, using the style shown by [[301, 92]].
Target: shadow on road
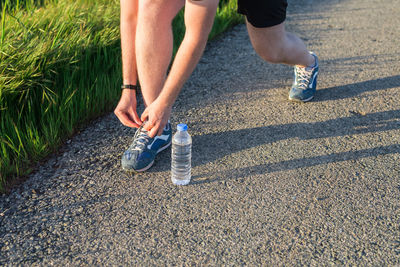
[[211, 147], [354, 89], [295, 164]]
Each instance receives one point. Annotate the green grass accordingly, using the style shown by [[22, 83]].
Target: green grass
[[60, 66], [15, 5]]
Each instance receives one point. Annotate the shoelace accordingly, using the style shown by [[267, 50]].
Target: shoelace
[[303, 77], [140, 139]]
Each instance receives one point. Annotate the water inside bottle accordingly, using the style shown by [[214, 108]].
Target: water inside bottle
[[181, 164]]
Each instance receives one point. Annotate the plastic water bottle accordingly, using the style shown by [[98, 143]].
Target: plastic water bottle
[[181, 156]]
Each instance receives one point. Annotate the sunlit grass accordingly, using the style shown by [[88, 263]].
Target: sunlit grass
[[60, 66]]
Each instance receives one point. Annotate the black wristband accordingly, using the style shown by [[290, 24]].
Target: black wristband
[[129, 86]]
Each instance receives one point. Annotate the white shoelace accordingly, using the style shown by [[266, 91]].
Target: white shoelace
[[303, 77], [140, 140]]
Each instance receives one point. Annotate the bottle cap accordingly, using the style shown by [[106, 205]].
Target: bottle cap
[[182, 127]]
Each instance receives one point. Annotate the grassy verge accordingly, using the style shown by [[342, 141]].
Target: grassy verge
[[60, 66]]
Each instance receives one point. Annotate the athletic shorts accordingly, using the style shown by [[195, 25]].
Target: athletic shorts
[[263, 13]]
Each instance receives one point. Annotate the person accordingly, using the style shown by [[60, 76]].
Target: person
[[147, 42]]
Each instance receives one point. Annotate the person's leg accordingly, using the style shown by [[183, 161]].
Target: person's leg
[[266, 28], [129, 13], [154, 43], [275, 45]]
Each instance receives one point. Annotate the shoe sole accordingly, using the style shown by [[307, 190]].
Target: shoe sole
[[302, 101], [151, 163]]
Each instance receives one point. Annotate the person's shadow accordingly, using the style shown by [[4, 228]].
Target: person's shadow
[[294, 164], [210, 147], [355, 89]]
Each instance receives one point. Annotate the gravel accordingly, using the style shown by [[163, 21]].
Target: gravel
[[273, 182]]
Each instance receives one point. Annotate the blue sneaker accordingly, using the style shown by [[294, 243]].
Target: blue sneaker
[[141, 154], [305, 82]]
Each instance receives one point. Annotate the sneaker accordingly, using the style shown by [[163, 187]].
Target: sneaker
[[305, 82], [141, 154]]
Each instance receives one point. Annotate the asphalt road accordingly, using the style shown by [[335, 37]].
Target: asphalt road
[[274, 182]]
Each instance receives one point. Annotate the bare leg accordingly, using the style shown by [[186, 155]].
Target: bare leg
[[154, 42], [129, 12], [275, 45]]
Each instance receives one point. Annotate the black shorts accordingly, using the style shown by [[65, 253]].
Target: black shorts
[[263, 13]]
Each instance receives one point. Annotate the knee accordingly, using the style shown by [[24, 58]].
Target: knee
[[129, 11], [152, 9], [161, 12], [267, 51], [269, 43]]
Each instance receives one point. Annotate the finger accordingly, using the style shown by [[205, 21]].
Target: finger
[[161, 129], [145, 115], [125, 120], [148, 125], [153, 132], [136, 118]]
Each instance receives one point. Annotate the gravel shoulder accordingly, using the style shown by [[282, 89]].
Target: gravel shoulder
[[273, 182]]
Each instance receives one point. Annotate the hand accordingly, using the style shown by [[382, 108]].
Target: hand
[[157, 115], [126, 109]]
